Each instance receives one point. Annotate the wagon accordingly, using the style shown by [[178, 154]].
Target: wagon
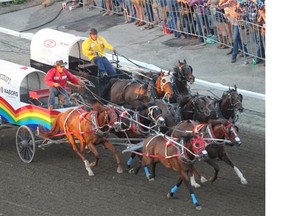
[[23, 104], [24, 95], [49, 45]]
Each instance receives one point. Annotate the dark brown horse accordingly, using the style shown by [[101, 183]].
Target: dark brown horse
[[128, 92], [205, 108], [90, 128], [216, 135], [176, 154], [184, 73]]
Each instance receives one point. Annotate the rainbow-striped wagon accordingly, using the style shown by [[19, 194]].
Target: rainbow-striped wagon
[[23, 103]]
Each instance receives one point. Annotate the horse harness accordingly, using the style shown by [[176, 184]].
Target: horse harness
[[94, 122], [213, 140], [139, 128]]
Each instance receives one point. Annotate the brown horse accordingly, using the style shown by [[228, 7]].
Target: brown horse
[[139, 124], [205, 108], [128, 93], [216, 134], [90, 128], [178, 155]]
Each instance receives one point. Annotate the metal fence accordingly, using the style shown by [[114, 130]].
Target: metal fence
[[208, 24]]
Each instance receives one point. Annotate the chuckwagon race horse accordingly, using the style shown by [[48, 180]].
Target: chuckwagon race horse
[[178, 154], [205, 108], [90, 128], [217, 134]]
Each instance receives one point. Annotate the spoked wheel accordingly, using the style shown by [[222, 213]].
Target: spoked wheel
[[25, 144], [76, 99]]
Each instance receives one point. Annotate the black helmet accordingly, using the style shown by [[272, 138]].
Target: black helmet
[[93, 31]]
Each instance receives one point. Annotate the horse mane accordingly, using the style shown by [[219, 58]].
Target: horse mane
[[215, 122], [98, 106], [187, 137], [141, 107], [185, 100]]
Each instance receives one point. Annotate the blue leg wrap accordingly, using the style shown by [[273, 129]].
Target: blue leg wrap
[[129, 162], [174, 189], [147, 173], [194, 200]]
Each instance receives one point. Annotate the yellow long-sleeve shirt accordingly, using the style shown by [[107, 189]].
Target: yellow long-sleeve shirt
[[90, 47]]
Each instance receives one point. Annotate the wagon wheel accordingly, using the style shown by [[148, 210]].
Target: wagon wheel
[[25, 144], [76, 99]]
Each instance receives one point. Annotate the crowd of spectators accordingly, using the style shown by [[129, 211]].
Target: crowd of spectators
[[235, 24]]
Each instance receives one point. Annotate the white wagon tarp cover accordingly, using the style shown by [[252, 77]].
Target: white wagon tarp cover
[[49, 45], [17, 80]]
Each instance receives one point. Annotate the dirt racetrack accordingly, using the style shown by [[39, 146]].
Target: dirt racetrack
[[56, 183]]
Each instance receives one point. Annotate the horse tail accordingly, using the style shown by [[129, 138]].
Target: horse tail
[[53, 131]]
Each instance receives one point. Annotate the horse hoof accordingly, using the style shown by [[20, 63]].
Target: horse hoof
[[244, 181], [203, 179], [169, 195], [212, 179], [93, 164], [91, 174], [195, 185], [119, 170], [131, 171], [198, 207]]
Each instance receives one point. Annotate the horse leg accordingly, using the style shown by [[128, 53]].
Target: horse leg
[[226, 159], [193, 171], [212, 163], [109, 146], [153, 169], [185, 178], [146, 161], [129, 162], [82, 156], [93, 149], [147, 173], [174, 188]]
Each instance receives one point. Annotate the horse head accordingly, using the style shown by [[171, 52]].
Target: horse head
[[112, 118], [224, 129], [184, 72], [233, 101], [203, 105], [195, 147], [190, 132], [154, 114], [124, 122], [144, 93], [164, 86]]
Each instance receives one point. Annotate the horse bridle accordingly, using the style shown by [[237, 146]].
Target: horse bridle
[[156, 119], [227, 130], [231, 104]]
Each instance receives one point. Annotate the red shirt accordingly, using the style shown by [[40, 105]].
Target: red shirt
[[53, 76]]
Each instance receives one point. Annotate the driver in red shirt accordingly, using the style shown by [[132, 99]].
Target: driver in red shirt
[[56, 78]]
